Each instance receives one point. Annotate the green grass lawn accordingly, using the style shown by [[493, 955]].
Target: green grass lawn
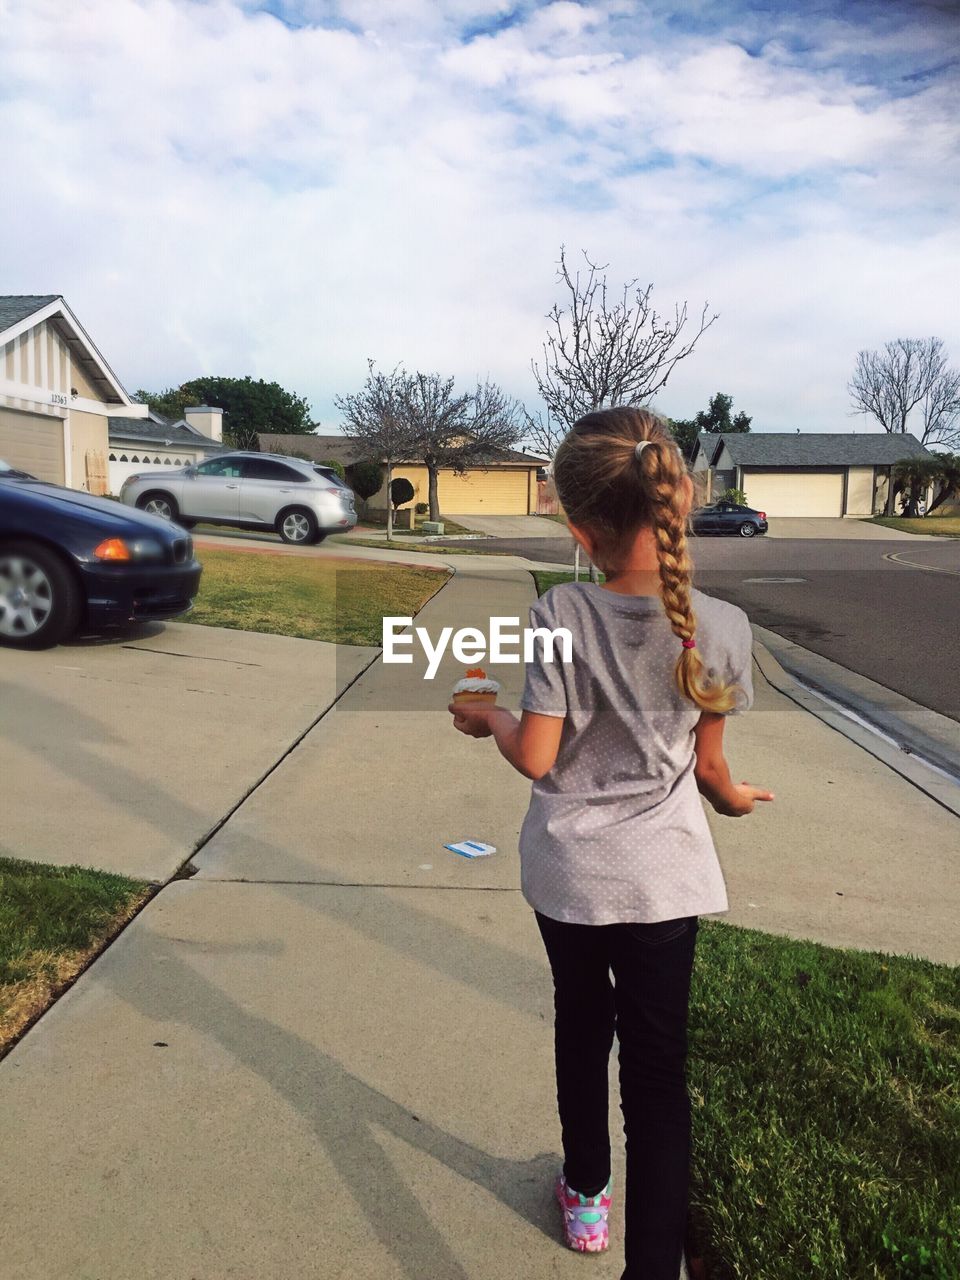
[[826, 1101], [311, 598], [544, 579], [377, 521], [420, 548], [826, 1104], [52, 920], [942, 526]]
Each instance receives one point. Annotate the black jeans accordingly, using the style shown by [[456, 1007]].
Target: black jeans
[[646, 1005]]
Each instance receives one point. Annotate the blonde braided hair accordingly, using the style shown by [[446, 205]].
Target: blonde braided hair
[[607, 484]]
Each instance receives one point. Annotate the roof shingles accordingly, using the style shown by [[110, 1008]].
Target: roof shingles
[[15, 307], [813, 449]]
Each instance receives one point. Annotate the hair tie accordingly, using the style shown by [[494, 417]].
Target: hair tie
[[689, 644], [639, 447]]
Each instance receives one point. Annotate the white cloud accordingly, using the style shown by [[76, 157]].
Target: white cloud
[[215, 190]]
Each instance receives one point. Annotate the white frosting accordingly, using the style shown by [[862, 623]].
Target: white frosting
[[474, 684]]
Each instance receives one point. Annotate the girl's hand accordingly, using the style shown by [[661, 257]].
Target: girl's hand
[[747, 797], [472, 718]]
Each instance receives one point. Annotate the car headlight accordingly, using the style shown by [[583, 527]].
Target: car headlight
[[119, 550]]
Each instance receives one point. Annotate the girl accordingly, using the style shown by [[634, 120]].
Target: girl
[[616, 855]]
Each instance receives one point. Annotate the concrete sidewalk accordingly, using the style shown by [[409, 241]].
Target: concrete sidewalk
[[124, 754], [328, 1055]]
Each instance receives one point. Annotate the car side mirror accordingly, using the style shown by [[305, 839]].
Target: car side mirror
[[191, 472]]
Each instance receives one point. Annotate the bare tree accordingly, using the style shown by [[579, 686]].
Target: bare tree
[[454, 432], [941, 409], [377, 416], [544, 432], [908, 374], [602, 350]]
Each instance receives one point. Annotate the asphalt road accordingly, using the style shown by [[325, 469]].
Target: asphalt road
[[896, 623]]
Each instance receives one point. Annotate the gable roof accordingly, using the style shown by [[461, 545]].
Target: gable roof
[[347, 450], [15, 307], [157, 430], [812, 448], [22, 311]]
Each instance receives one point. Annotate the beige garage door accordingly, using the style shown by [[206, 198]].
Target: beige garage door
[[483, 493], [781, 493], [33, 443]]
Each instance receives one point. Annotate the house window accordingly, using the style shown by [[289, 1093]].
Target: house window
[[124, 458], [113, 457], [156, 462], [167, 462]]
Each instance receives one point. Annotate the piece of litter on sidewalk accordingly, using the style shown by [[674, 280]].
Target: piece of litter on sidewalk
[[426, 866], [471, 848]]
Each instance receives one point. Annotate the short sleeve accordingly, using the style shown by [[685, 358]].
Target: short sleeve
[[739, 664], [544, 690]]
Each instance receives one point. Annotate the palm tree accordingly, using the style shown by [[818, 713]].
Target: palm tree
[[945, 475], [913, 476]]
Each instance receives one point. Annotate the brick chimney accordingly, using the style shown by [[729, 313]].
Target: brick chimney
[[207, 420]]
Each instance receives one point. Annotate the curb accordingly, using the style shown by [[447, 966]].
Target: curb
[[913, 737]]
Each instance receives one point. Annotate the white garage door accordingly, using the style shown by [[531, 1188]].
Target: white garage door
[[780, 493], [32, 442]]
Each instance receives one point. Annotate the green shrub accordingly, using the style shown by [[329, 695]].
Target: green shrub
[[401, 491], [734, 495], [336, 467], [422, 508], [364, 478]]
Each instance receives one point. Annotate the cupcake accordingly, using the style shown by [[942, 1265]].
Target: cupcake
[[476, 687]]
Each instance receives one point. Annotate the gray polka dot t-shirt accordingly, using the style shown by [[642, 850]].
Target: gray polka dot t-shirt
[[616, 831]]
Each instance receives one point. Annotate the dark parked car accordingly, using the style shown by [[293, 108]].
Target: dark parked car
[[729, 517], [70, 561]]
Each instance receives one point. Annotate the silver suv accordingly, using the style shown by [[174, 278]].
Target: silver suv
[[301, 500]]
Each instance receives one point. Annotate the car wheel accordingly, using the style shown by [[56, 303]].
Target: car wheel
[[159, 504], [297, 526], [747, 530], [40, 599]]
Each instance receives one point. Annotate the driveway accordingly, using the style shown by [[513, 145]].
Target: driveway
[[838, 527], [124, 755], [511, 526]]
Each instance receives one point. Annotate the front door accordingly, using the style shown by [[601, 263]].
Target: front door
[[212, 491]]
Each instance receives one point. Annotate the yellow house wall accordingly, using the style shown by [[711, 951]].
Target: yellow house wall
[[78, 381], [859, 491], [88, 431], [477, 491]]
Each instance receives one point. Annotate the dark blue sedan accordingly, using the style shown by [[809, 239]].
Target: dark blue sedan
[[69, 561], [729, 517]]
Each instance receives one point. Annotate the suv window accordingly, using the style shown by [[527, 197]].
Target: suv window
[[220, 467], [267, 469], [325, 473]]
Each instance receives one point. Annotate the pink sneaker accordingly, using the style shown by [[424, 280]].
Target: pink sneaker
[[584, 1217]]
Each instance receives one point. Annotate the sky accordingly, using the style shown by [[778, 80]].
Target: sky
[[285, 189]]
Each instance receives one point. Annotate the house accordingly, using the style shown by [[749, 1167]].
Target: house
[[64, 415], [504, 486], [154, 441], [804, 473]]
